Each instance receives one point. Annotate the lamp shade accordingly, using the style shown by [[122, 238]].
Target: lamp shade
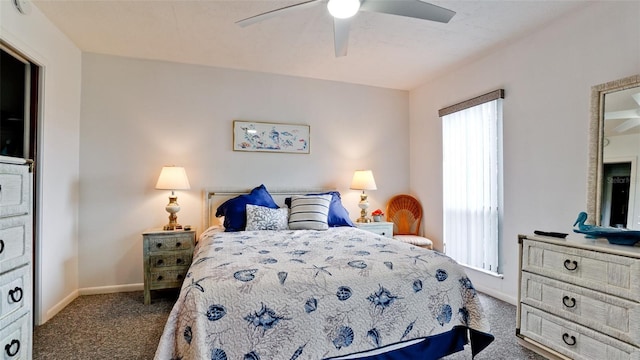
[[343, 9], [173, 178], [363, 180]]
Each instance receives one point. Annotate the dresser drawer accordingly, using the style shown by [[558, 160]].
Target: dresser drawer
[[617, 317], [15, 340], [613, 274], [167, 278], [382, 228], [170, 242], [15, 242], [171, 259], [15, 293], [14, 190], [572, 340]]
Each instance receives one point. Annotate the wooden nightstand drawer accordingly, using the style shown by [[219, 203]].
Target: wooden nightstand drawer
[[381, 228], [167, 278], [167, 257], [170, 242], [173, 259]]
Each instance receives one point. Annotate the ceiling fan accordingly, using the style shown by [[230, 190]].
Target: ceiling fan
[[632, 116], [343, 10]]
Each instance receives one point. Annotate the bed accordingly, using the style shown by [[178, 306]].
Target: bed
[[280, 289]]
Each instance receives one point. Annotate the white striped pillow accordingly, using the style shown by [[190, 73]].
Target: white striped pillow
[[309, 212]]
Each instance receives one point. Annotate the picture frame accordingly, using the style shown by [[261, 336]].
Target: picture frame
[[257, 136]]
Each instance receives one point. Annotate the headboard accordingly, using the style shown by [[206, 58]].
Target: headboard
[[212, 198]]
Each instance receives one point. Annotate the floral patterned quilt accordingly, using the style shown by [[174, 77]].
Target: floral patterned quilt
[[308, 294]]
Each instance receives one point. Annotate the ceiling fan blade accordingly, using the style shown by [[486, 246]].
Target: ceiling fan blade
[[629, 124], [409, 8], [636, 97], [341, 35], [277, 12], [624, 114]]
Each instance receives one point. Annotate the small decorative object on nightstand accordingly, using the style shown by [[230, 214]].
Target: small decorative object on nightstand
[[363, 180], [382, 228], [167, 257], [377, 215]]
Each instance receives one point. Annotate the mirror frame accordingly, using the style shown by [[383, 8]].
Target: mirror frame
[[596, 138]]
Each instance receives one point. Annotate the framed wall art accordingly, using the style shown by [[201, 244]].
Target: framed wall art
[[270, 137]]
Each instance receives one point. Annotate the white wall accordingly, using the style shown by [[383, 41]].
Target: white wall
[[547, 77], [139, 115], [57, 164]]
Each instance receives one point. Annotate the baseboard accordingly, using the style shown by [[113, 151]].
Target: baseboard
[[59, 306], [88, 291], [496, 294], [111, 289]]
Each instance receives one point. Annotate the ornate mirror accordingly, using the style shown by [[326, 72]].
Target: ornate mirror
[[613, 184]]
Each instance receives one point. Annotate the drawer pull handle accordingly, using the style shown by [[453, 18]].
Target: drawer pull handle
[[566, 336], [178, 261], [9, 347], [160, 262], [570, 265], [160, 278], [159, 245], [12, 294], [569, 302], [178, 244], [179, 276], [1, 246]]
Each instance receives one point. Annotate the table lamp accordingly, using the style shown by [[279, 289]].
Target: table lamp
[[363, 180], [173, 178]]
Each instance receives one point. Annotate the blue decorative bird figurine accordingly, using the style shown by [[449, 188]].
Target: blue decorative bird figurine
[[582, 217], [613, 235]]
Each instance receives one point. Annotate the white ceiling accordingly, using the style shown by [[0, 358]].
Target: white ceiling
[[384, 50], [622, 101]]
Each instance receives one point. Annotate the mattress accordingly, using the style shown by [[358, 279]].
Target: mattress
[[335, 294]]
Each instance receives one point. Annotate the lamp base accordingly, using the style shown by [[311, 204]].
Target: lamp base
[[172, 227], [172, 208], [363, 205]]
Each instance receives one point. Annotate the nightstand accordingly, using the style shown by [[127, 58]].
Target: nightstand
[[381, 228], [167, 257]]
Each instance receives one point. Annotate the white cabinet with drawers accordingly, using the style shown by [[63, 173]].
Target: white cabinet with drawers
[[382, 228], [579, 298], [16, 289]]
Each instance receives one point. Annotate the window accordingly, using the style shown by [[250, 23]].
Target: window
[[472, 181]]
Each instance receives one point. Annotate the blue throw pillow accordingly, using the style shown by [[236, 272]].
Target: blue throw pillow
[[234, 210], [338, 215]]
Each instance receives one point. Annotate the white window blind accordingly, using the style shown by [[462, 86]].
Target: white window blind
[[472, 178]]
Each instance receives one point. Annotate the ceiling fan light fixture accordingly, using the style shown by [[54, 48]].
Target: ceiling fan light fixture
[[343, 9]]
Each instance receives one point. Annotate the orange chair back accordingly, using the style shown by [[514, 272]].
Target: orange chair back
[[405, 212]]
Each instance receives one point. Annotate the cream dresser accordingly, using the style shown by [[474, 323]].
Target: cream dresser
[[16, 289], [579, 298]]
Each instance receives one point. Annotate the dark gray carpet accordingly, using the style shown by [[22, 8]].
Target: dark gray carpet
[[502, 317], [109, 326], [120, 326]]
